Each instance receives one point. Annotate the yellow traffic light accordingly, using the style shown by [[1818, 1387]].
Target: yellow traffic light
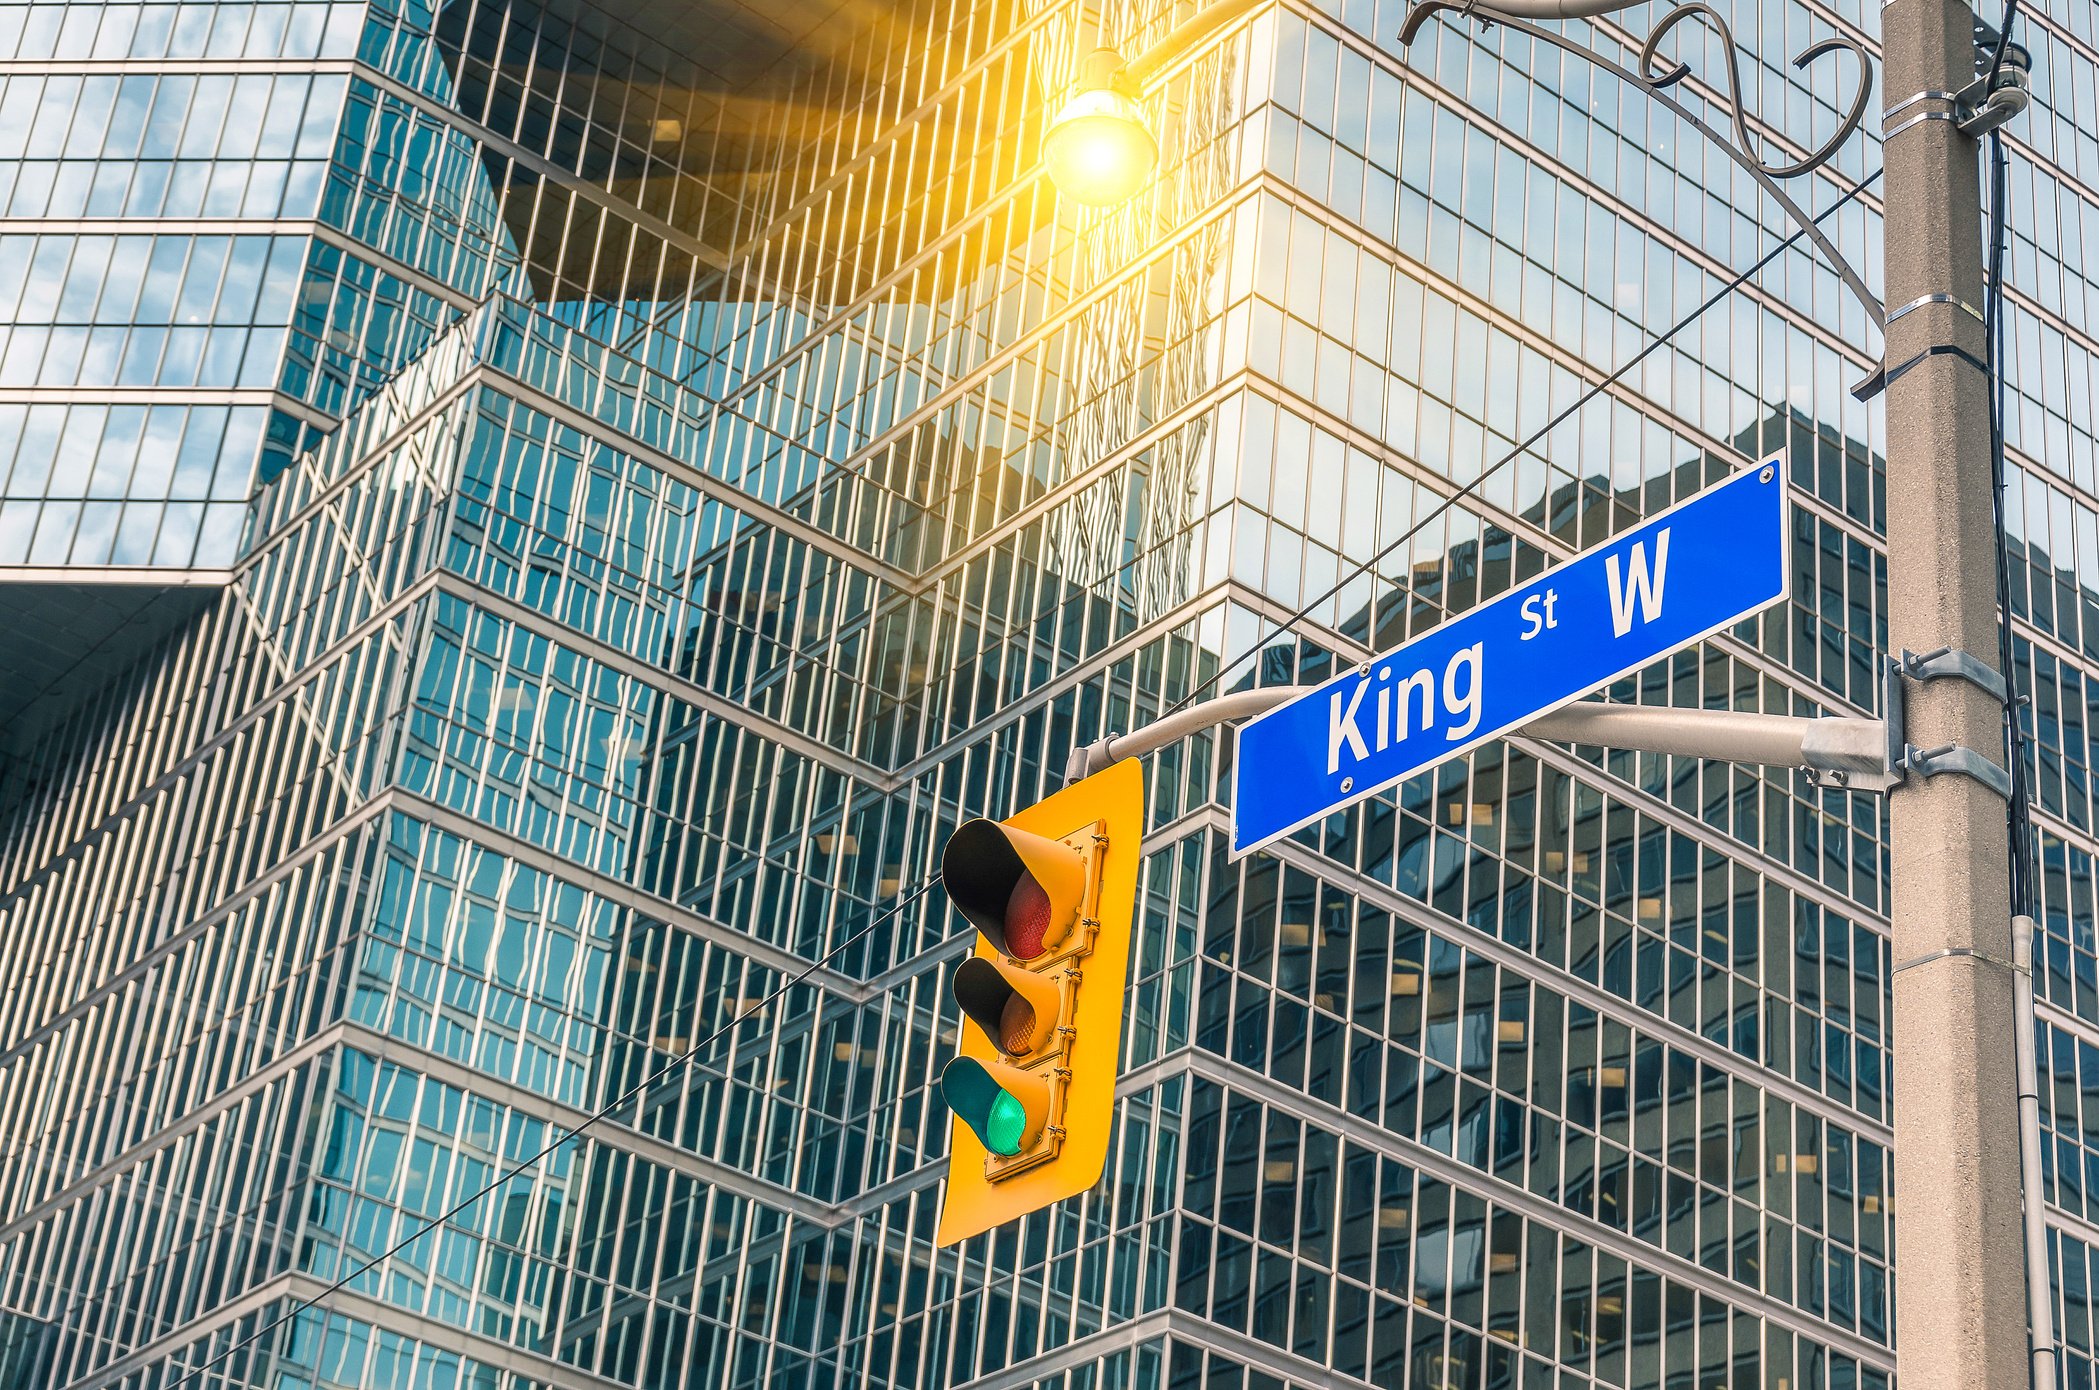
[[1052, 892]]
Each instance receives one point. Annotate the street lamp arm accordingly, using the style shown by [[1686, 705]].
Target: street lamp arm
[[1552, 9], [1655, 78], [1186, 37], [1840, 751], [1512, 14]]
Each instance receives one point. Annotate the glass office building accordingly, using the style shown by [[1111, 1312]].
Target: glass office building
[[523, 524]]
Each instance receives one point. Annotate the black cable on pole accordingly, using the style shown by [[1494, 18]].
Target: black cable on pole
[[2015, 807], [2004, 43], [603, 1112], [1290, 623], [2018, 809]]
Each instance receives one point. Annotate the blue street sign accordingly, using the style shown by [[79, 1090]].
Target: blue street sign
[[1678, 577]]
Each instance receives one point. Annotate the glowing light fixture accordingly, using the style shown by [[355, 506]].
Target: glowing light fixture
[[1098, 150]]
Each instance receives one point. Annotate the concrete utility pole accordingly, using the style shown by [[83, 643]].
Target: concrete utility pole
[[1960, 1310]]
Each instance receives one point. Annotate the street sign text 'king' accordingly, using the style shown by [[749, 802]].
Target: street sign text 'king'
[[1679, 576]]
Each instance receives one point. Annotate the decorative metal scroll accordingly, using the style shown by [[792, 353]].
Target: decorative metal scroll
[[1656, 80]]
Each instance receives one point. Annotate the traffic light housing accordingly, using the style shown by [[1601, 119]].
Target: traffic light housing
[[1052, 893]]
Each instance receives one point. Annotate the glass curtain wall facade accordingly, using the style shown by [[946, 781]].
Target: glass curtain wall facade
[[709, 463], [218, 238]]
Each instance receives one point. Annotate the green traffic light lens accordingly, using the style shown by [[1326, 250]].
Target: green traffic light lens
[[999, 1117], [1005, 1124]]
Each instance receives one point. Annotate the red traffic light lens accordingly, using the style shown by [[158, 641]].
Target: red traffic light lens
[[1027, 918], [1023, 891]]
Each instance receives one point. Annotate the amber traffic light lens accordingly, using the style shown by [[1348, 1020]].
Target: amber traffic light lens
[[1016, 1027], [1016, 1007]]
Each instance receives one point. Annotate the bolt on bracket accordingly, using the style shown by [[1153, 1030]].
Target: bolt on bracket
[[1951, 757], [1943, 664], [1845, 754], [1946, 663]]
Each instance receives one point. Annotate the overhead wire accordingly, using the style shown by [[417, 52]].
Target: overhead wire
[[2004, 43], [1472, 488]]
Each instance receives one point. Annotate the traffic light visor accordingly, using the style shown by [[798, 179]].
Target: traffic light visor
[[1021, 890], [1017, 1009], [1005, 1106]]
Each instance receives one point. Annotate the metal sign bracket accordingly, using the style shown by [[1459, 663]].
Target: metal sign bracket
[[1943, 664]]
